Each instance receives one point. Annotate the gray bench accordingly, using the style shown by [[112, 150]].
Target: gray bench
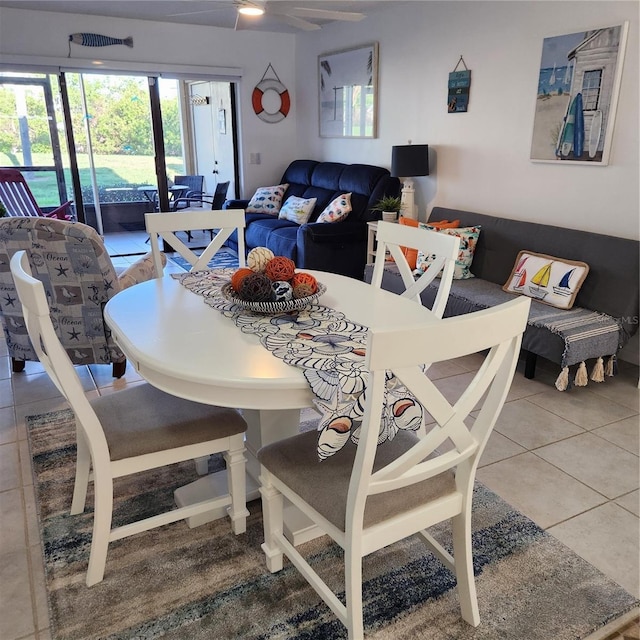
[[605, 313]]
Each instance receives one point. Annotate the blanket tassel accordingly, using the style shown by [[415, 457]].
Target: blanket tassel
[[612, 366], [597, 375], [563, 380], [582, 378]]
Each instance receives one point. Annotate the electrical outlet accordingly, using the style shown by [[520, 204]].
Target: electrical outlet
[[254, 158]]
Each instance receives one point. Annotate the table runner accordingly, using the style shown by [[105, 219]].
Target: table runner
[[330, 349]]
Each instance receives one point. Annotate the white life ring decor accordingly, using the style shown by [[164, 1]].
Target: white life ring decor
[[257, 98]]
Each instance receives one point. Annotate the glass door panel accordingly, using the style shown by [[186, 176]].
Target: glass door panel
[[29, 139]]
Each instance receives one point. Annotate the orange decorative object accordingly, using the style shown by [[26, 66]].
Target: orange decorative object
[[304, 278], [239, 276], [280, 268]]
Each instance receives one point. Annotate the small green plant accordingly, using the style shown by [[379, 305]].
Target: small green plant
[[388, 203], [3, 210]]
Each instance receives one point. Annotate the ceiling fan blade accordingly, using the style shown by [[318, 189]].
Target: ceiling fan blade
[[192, 13], [323, 14], [299, 23]]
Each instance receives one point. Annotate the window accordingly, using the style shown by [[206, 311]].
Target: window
[[591, 83]]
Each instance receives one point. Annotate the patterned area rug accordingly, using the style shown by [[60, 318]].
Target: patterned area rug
[[224, 258], [177, 583]]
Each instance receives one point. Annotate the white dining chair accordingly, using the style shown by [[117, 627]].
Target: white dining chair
[[444, 248], [224, 222], [370, 496], [133, 430]]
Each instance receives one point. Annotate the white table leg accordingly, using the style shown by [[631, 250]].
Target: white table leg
[[263, 427]]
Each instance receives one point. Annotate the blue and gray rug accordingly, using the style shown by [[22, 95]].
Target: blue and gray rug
[[206, 583], [224, 258]]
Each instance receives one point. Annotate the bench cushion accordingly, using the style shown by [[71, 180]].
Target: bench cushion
[[566, 337]]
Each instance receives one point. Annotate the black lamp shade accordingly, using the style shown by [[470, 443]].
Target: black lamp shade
[[410, 160]]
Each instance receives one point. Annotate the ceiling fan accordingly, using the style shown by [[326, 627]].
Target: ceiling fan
[[298, 17]]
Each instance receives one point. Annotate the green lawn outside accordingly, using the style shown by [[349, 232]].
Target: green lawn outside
[[111, 171]]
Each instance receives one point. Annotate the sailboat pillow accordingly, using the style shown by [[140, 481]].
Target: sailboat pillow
[[554, 281]]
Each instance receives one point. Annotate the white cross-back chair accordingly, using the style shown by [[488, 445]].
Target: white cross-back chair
[[369, 496], [393, 237], [130, 431], [223, 222]]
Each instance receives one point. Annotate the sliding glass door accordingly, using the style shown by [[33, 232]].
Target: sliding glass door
[[98, 138]]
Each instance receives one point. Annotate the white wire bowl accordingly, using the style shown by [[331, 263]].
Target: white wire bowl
[[283, 306]]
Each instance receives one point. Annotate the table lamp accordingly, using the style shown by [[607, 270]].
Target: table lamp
[[408, 161]]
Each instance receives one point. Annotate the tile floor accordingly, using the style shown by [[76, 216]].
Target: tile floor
[[569, 461]]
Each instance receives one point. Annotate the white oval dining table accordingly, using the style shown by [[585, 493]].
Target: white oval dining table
[[183, 346]]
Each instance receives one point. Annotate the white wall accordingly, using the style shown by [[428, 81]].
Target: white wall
[[44, 35], [482, 156]]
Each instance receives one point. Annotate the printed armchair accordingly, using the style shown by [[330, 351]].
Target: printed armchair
[[79, 278]]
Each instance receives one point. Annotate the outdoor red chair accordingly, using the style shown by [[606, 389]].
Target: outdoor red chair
[[18, 200]]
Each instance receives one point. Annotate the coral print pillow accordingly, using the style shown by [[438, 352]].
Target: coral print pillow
[[468, 241], [338, 209], [554, 281], [267, 200], [297, 209]]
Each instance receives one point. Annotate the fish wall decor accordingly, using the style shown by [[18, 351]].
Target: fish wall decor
[[97, 40]]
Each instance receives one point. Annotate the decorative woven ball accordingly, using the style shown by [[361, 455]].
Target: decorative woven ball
[[282, 290], [280, 268], [239, 276], [258, 258], [304, 278], [256, 288], [302, 290]]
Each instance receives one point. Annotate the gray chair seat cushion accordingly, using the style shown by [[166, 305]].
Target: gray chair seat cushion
[[144, 419], [324, 485]]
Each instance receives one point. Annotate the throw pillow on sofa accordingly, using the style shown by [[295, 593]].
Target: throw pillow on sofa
[[297, 209], [554, 281], [411, 255], [267, 200], [338, 209], [468, 241]]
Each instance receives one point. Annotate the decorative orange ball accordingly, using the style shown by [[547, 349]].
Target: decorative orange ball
[[239, 276], [280, 268], [304, 278]]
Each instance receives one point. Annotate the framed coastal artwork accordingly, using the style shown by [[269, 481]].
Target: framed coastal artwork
[[578, 87], [348, 92]]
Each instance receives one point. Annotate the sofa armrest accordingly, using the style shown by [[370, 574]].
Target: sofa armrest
[[235, 204], [336, 247], [333, 232]]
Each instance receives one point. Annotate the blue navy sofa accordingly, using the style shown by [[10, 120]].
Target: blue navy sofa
[[338, 247]]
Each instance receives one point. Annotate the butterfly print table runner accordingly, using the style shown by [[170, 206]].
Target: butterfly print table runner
[[330, 349]]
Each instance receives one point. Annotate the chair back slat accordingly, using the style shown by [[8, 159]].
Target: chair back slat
[[220, 195], [393, 238], [16, 195], [224, 223]]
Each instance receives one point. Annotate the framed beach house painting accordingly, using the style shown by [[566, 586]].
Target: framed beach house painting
[[347, 91], [577, 95]]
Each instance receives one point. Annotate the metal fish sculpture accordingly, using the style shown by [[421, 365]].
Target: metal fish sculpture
[[97, 40]]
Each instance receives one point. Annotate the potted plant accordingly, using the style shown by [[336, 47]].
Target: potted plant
[[3, 210], [389, 207]]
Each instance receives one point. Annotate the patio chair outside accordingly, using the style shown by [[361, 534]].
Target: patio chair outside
[[17, 198]]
